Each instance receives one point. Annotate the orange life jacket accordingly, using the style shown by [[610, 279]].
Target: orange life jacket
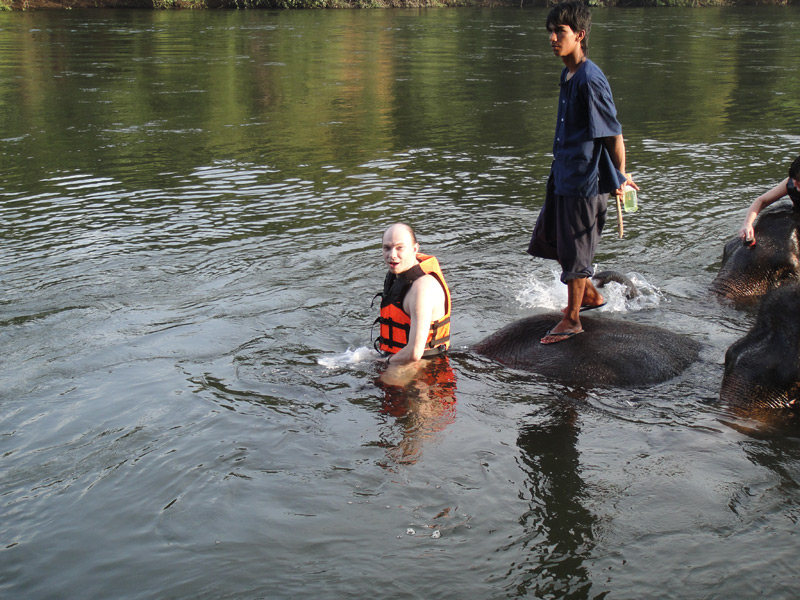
[[395, 322]]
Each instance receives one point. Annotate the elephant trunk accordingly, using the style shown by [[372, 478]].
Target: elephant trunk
[[744, 392], [729, 284], [604, 277]]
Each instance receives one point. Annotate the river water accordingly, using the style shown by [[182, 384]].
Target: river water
[[191, 206]]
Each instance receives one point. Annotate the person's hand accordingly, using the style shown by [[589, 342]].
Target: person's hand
[[628, 181], [747, 234], [399, 375]]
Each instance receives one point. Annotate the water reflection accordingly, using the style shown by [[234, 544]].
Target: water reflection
[[422, 402], [190, 204], [558, 527], [762, 422], [778, 492]]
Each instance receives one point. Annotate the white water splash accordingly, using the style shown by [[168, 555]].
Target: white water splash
[[539, 292], [549, 293], [649, 295], [350, 357]]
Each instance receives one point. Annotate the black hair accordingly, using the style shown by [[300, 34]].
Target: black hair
[[576, 15], [794, 170]]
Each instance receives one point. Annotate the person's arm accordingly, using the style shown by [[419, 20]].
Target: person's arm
[[764, 200], [421, 300], [616, 149]]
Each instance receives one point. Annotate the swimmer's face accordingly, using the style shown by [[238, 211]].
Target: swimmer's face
[[399, 249]]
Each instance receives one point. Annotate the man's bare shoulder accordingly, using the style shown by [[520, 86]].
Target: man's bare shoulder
[[427, 284], [426, 294]]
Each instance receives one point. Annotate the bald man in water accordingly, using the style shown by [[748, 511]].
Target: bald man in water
[[415, 305]]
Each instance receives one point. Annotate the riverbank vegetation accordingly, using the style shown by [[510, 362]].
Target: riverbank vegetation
[[25, 5]]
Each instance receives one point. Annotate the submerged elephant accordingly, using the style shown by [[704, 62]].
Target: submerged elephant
[[750, 271], [609, 352], [763, 368]]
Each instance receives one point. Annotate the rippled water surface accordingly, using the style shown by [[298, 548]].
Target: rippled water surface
[[191, 206]]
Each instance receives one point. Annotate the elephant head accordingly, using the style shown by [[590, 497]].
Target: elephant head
[[750, 271], [763, 368]]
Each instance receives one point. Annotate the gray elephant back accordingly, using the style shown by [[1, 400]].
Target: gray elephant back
[[610, 352]]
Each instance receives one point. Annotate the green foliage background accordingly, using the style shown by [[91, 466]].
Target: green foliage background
[[25, 5]]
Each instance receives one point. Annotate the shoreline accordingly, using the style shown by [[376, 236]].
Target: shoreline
[[34, 5]]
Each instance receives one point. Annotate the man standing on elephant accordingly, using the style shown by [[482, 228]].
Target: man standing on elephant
[[588, 165]]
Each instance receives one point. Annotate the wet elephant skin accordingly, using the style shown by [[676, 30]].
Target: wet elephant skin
[[762, 369], [750, 271], [610, 352]]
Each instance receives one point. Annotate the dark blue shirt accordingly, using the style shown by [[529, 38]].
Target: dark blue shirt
[[586, 114]]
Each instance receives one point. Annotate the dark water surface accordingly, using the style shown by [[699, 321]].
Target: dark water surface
[[190, 210]]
